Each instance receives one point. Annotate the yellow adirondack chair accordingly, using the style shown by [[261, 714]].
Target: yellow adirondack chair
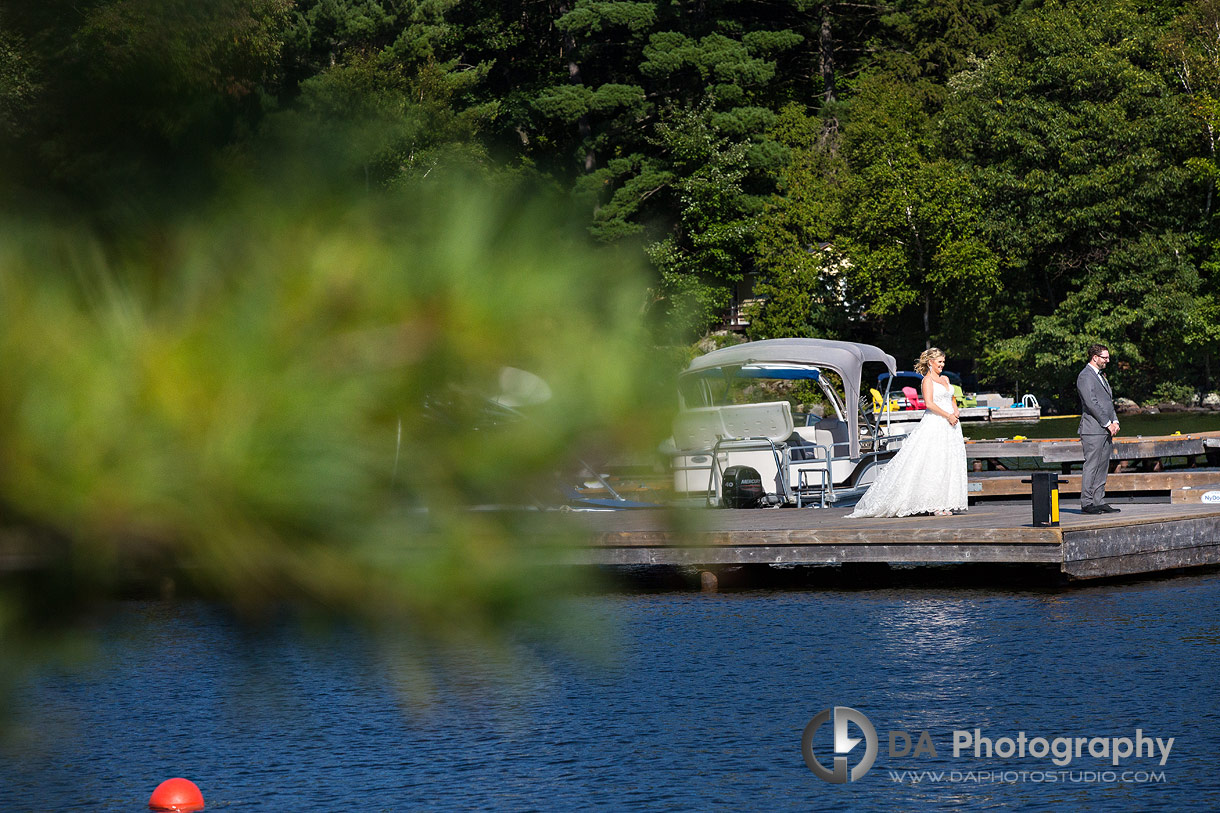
[[878, 406]]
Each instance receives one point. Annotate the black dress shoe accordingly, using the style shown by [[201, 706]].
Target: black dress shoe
[[1091, 509], [1106, 508]]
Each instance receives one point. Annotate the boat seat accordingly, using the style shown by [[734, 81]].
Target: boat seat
[[802, 445], [752, 435], [772, 420], [698, 428], [829, 432], [832, 433], [701, 427]]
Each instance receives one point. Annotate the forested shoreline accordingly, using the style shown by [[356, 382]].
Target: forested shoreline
[[1007, 180]]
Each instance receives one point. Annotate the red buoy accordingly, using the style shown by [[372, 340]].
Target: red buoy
[[181, 795]]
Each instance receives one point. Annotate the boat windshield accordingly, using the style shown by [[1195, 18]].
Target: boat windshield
[[758, 382]]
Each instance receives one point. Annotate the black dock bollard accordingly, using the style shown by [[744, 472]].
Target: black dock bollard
[[1045, 498]]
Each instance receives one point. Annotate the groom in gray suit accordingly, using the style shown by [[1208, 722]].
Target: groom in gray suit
[[1098, 426]]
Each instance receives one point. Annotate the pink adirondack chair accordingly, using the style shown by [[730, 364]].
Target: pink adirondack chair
[[913, 399]]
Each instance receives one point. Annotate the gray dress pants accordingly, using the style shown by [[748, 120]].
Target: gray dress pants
[[1096, 468]]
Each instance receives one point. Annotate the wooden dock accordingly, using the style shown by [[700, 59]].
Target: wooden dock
[[1176, 485], [1067, 451], [1142, 539]]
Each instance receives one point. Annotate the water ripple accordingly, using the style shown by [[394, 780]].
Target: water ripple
[[702, 707]]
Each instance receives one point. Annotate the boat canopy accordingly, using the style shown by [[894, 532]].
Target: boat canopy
[[790, 372], [846, 359]]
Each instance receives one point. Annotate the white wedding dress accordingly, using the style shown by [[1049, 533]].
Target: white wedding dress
[[929, 472]]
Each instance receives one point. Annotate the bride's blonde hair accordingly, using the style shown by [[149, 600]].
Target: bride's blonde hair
[[926, 358]]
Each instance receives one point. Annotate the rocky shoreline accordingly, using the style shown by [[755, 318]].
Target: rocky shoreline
[[1209, 403]]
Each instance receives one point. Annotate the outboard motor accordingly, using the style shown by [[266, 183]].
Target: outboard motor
[[742, 487]]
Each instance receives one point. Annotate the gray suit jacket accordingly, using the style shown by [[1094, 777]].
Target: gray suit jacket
[[1096, 403]]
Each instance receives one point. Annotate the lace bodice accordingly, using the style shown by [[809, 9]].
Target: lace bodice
[[942, 396]]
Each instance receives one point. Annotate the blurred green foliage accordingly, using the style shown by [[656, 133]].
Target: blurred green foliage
[[283, 401]]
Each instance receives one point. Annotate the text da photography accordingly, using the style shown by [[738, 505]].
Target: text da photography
[[841, 744]]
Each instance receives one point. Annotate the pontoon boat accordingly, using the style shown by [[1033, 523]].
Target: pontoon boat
[[826, 459]]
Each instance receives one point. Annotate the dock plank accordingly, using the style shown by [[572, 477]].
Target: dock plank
[[1135, 547], [1143, 563], [1196, 493], [1069, 450]]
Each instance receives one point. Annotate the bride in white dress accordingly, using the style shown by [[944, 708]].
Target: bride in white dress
[[928, 475]]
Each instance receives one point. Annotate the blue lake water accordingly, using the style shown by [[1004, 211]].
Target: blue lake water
[[699, 704]]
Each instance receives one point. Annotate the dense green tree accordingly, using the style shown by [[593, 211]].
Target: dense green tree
[[905, 230], [977, 173], [380, 84], [709, 248], [131, 96], [800, 286], [596, 97], [17, 85], [666, 109], [931, 40], [1192, 45], [910, 224], [374, 120], [1074, 136]]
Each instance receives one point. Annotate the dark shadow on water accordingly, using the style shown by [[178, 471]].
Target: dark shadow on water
[[867, 576], [847, 576], [661, 579]]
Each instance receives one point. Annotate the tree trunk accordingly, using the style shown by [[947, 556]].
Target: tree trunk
[[927, 320], [583, 125], [1211, 184], [826, 56]]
